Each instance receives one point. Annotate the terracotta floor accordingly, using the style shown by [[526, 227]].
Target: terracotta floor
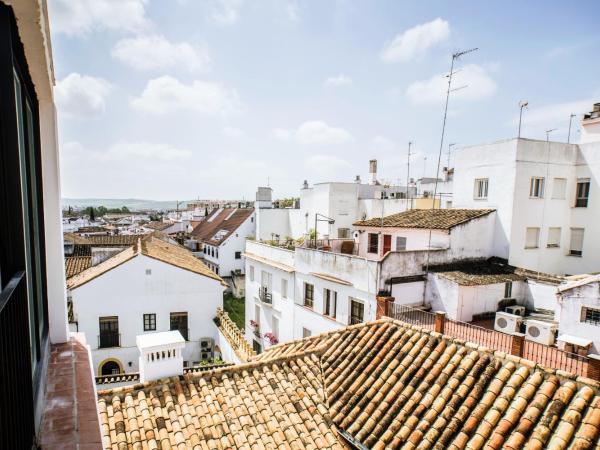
[[70, 419]]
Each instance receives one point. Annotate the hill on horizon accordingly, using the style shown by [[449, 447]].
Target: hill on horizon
[[133, 204]]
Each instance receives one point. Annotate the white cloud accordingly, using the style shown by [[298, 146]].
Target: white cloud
[[327, 166], [314, 132], [381, 143], [233, 132], [80, 95], [292, 10], [81, 17], [226, 12], [433, 90], [133, 152], [167, 94], [412, 43], [340, 80], [156, 52]]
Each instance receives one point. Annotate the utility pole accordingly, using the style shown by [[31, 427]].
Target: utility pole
[[408, 170], [548, 134], [455, 56], [569, 134], [522, 104]]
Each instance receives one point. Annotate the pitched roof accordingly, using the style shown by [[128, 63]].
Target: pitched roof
[[157, 225], [152, 247], [119, 240], [438, 219], [76, 264], [226, 220], [75, 238], [477, 273], [578, 283], [381, 384]]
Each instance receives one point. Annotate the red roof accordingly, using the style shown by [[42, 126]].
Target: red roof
[[220, 224]]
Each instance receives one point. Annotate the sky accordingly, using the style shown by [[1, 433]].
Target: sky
[[186, 99]]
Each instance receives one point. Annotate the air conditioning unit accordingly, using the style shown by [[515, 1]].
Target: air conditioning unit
[[206, 344], [516, 310], [204, 356], [541, 332], [507, 323]]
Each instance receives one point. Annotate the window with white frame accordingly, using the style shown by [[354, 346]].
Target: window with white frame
[[329, 302], [343, 233], [400, 243], [559, 188], [284, 288], [532, 237], [590, 315], [583, 193], [481, 189], [553, 237], [576, 247], [536, 187], [251, 273]]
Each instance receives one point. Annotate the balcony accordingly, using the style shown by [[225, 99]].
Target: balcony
[[341, 246], [109, 339], [265, 296]]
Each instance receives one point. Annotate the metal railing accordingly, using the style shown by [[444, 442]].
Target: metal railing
[[343, 246], [264, 295], [479, 335], [16, 389], [107, 340], [413, 316], [555, 358]]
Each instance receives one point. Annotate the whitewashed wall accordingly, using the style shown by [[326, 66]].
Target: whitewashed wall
[[409, 293], [127, 292], [570, 314]]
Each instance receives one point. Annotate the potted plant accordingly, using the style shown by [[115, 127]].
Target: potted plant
[[271, 338]]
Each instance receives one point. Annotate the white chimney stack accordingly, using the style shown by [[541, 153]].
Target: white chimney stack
[[161, 355], [373, 172]]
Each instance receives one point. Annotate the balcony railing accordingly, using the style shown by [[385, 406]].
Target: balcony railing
[[265, 296], [107, 340], [16, 405], [343, 246], [234, 335]]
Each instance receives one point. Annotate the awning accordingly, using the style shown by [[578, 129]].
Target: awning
[[569, 339], [270, 262], [327, 277]]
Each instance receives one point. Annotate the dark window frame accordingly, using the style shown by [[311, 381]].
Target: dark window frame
[[357, 311], [373, 243], [309, 300], [179, 321], [582, 194], [591, 316], [150, 322]]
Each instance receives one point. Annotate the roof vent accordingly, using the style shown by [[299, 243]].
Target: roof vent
[[161, 355]]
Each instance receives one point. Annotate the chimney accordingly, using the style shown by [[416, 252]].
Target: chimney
[[590, 125], [264, 197], [305, 185], [373, 171], [357, 179], [161, 355]]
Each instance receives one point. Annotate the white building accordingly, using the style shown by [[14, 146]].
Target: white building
[[546, 195], [222, 237], [342, 202], [301, 291], [150, 287]]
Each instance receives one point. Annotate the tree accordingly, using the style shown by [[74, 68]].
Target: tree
[[125, 209], [92, 214]]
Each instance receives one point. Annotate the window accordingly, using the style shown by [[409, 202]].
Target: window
[[559, 188], [251, 273], [344, 233], [330, 302], [179, 321], [357, 311], [536, 187], [149, 322], [481, 189], [400, 243], [309, 295], [238, 255], [148, 271], [275, 327], [583, 192], [306, 332], [532, 237], [109, 332], [553, 237], [508, 289], [373, 243], [284, 287], [387, 243], [576, 247], [590, 315]]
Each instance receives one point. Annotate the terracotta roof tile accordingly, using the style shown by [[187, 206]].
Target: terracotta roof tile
[[226, 219], [385, 384], [438, 219], [76, 264]]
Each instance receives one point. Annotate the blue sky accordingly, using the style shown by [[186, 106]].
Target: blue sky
[[209, 99]]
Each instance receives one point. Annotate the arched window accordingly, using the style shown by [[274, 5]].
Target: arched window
[[110, 367]]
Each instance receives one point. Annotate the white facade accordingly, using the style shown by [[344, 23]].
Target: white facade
[[540, 223], [579, 312], [144, 285]]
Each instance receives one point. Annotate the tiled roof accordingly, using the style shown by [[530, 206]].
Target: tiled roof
[[226, 219], [382, 384], [279, 404], [76, 264], [438, 219], [75, 238], [159, 226], [119, 240], [153, 247], [572, 284], [477, 273]]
